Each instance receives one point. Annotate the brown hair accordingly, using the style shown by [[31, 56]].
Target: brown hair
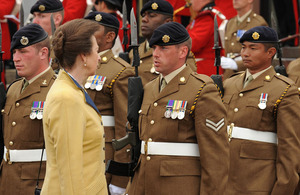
[[44, 43], [71, 39]]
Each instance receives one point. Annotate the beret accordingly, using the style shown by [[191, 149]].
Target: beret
[[28, 35], [47, 6], [171, 33], [260, 34], [158, 6], [104, 19], [116, 3]]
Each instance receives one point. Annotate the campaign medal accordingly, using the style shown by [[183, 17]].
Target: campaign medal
[[88, 82], [263, 101], [93, 85], [40, 110], [182, 110], [100, 83], [169, 108], [34, 109], [174, 113]]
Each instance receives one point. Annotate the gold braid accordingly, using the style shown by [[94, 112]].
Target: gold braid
[[279, 100], [195, 101], [220, 92], [113, 82]]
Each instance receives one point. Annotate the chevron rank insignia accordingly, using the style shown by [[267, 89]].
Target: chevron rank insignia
[[215, 126]]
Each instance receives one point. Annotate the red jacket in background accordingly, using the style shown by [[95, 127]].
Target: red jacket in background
[[226, 8], [73, 9]]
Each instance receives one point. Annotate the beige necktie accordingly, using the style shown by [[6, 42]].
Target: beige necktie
[[163, 84], [26, 83], [248, 80]]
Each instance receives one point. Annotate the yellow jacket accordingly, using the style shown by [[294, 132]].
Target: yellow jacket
[[74, 139]]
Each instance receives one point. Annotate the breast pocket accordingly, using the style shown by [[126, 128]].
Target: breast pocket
[[254, 113], [33, 128], [143, 121]]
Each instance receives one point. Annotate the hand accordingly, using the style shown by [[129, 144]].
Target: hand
[[228, 63], [115, 190]]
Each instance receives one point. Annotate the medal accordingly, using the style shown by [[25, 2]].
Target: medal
[[40, 110], [176, 106], [100, 83], [34, 110], [263, 101], [93, 85], [182, 110], [88, 82], [169, 108]]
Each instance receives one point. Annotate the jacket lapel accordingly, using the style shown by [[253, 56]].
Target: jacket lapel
[[260, 80]]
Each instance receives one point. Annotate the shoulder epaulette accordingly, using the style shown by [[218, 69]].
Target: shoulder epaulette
[[237, 73], [13, 83], [203, 78], [121, 61], [284, 79]]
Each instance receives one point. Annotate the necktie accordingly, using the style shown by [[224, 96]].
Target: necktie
[[163, 84], [26, 83], [248, 80]]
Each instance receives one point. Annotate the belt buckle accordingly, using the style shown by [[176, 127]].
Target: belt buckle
[[230, 132], [146, 148], [8, 157]]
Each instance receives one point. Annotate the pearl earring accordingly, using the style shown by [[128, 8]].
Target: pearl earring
[[84, 64]]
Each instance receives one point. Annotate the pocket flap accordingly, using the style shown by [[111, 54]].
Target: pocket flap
[[262, 151], [180, 167]]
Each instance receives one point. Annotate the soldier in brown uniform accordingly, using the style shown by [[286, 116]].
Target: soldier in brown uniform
[[43, 12], [108, 89], [293, 71], [154, 13], [263, 113], [23, 111], [182, 124], [235, 28]]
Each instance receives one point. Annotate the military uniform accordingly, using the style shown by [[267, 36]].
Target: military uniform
[[202, 33], [233, 33], [146, 69], [182, 127], [112, 104], [293, 71], [23, 133], [264, 123]]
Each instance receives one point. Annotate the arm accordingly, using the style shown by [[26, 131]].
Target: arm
[[288, 149], [73, 9], [6, 7], [213, 145]]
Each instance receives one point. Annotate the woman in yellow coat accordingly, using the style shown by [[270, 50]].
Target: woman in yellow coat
[[74, 135]]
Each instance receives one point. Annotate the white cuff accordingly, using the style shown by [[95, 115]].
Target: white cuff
[[115, 190]]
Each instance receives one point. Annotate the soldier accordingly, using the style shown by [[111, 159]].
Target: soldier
[[235, 28], [23, 111], [182, 124], [110, 95], [293, 70], [201, 30], [42, 12], [154, 13], [263, 113]]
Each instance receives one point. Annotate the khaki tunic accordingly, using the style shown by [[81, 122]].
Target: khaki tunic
[[113, 102], [21, 132], [160, 174], [293, 71], [232, 45], [146, 68], [259, 167]]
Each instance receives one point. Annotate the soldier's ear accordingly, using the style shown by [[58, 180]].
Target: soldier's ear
[[110, 36], [271, 52]]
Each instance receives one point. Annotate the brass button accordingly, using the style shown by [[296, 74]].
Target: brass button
[[128, 150], [232, 44], [182, 79], [226, 38], [268, 77], [17, 104], [13, 123], [140, 111], [277, 74], [148, 158], [236, 110], [9, 162], [232, 124], [152, 122], [241, 95], [104, 59], [11, 143], [2, 110], [234, 34], [141, 61], [155, 104], [149, 140], [299, 89]]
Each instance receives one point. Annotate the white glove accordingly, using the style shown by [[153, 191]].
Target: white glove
[[115, 190], [228, 63]]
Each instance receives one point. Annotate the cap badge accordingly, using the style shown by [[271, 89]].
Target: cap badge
[[166, 38], [42, 8], [154, 6], [98, 17], [255, 36], [182, 79], [24, 40]]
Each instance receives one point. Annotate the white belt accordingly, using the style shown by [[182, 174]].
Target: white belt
[[170, 149], [33, 155], [108, 121], [250, 134], [199, 59]]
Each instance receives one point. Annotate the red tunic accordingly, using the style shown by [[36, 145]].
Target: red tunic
[[73, 9], [226, 7], [201, 30]]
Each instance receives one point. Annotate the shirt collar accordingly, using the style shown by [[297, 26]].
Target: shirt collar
[[170, 76]]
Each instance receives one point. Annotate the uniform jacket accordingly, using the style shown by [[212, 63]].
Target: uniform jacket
[[259, 167], [73, 9], [293, 71], [21, 132], [201, 30], [74, 139], [112, 101], [146, 68], [183, 175], [232, 45]]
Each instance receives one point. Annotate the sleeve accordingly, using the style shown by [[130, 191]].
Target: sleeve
[[211, 132], [120, 113], [6, 7], [73, 9], [67, 126], [288, 149], [201, 32]]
